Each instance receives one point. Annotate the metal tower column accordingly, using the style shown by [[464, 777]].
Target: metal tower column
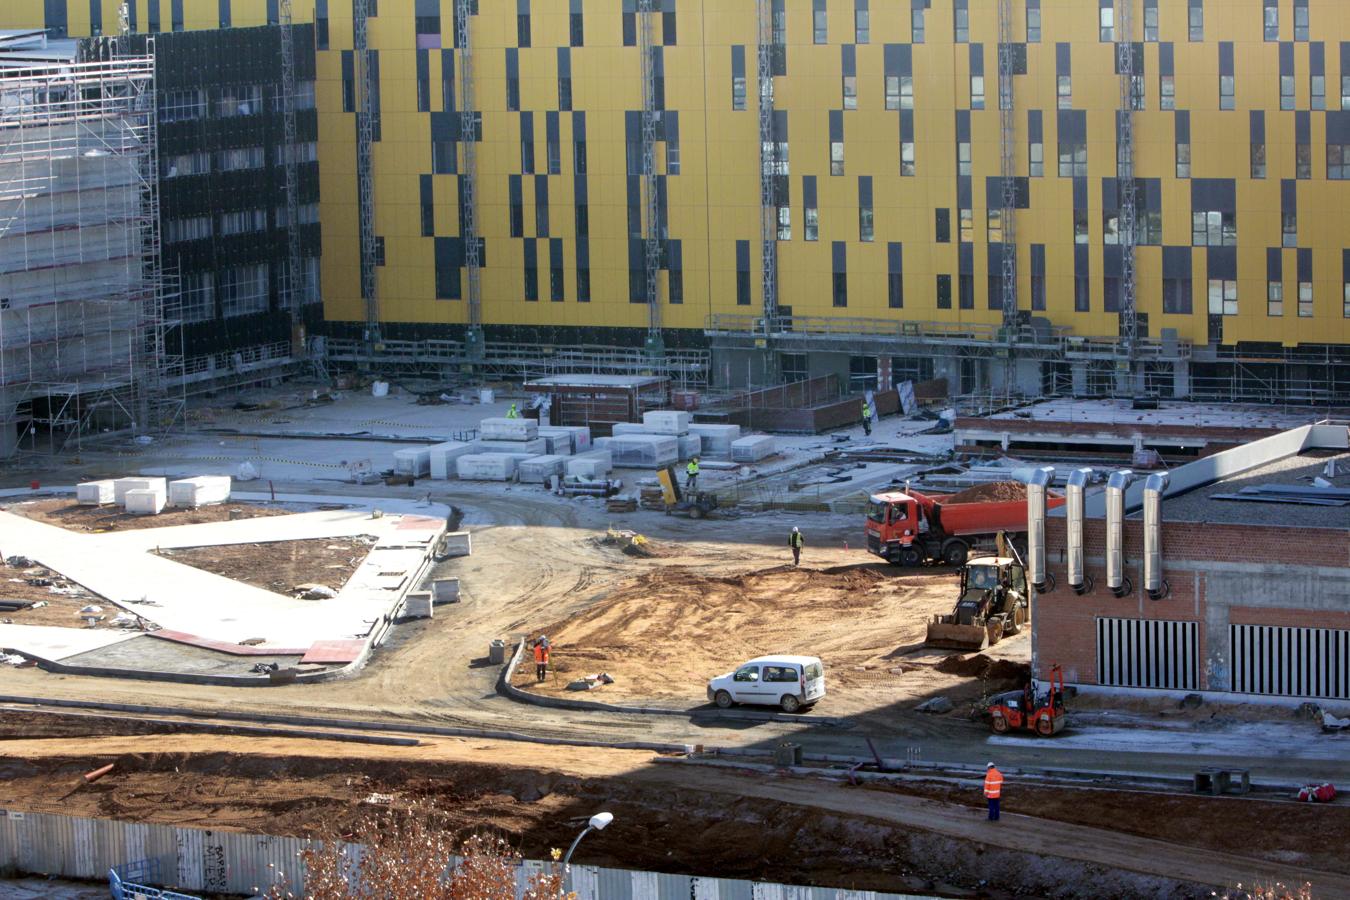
[[1007, 120], [468, 181], [647, 11], [293, 281], [1125, 180], [366, 102], [768, 168]]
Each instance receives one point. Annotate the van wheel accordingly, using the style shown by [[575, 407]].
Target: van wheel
[[790, 703], [956, 553], [722, 699]]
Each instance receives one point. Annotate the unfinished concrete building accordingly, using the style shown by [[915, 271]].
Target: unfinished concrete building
[[81, 294]]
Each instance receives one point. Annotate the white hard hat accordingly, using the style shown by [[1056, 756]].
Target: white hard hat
[[794, 527], [990, 766]]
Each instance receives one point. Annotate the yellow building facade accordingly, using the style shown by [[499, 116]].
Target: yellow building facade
[[889, 170]]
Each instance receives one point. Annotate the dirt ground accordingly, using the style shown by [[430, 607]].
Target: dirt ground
[[70, 515], [63, 598], [673, 818], [280, 565], [664, 634]]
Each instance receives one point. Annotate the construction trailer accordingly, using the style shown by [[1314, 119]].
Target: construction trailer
[[84, 305]]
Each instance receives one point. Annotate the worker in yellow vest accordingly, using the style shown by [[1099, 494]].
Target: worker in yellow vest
[[513, 413], [867, 418], [691, 475], [993, 789]]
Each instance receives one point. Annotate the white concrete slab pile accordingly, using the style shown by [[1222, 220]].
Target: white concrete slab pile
[[562, 440], [122, 485], [445, 590], [414, 461], [691, 445], [593, 464], [666, 421], [581, 437], [443, 458], [489, 466], [716, 439], [201, 490], [418, 605], [643, 451], [538, 469], [503, 429], [95, 493], [752, 448], [622, 428], [145, 502], [532, 447]]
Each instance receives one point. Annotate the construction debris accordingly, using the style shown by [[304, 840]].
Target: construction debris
[[935, 706]]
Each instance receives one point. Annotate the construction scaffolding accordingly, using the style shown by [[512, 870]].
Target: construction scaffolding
[[652, 243], [83, 303]]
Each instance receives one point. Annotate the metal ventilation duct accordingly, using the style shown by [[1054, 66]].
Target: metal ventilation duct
[[1154, 582], [1116, 579], [1036, 485], [1079, 580]]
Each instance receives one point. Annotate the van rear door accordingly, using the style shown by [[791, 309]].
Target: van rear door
[[813, 680]]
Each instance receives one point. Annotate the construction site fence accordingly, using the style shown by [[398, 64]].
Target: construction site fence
[[198, 860]]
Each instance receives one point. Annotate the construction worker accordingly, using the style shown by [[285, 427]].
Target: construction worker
[[867, 418], [993, 789], [691, 475], [513, 413], [541, 649], [796, 542]]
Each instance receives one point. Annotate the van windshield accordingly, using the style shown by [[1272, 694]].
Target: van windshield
[[812, 671]]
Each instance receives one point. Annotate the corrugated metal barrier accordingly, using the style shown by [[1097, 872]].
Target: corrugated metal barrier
[[232, 863]]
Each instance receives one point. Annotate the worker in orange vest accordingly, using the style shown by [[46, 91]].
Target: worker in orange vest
[[993, 789], [541, 649]]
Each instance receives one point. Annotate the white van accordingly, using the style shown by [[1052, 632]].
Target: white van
[[790, 682]]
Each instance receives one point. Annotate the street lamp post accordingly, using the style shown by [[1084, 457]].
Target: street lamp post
[[597, 823]]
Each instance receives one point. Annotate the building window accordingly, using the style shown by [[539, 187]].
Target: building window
[[994, 231], [820, 23], [942, 226], [1082, 293], [1300, 20], [862, 23], [1033, 24], [1106, 21], [199, 296], [1223, 300], [243, 290], [1195, 20], [1274, 298], [178, 106], [866, 231], [944, 292], [1167, 92], [977, 92], [193, 229], [810, 212], [899, 91], [576, 25], [907, 158], [1317, 91], [961, 22], [840, 283], [895, 280], [1305, 299], [1270, 12], [963, 158], [1345, 92], [965, 291], [1227, 92], [784, 223], [239, 100], [1177, 296], [1037, 292], [1212, 228], [1258, 160], [1036, 159], [1072, 159], [966, 223], [1183, 160], [836, 157], [1286, 92], [1151, 20], [240, 158], [185, 164], [1345, 301], [1289, 229], [1303, 161], [1338, 162], [916, 25], [850, 92], [556, 292], [1080, 226], [1064, 90], [738, 77]]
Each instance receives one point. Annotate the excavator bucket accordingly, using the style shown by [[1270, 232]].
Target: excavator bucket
[[943, 632]]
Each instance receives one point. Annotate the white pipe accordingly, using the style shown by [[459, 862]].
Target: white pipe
[[1115, 530], [1036, 526], [1073, 504], [1153, 568]]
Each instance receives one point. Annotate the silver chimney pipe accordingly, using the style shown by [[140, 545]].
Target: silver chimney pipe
[[1079, 580], [1157, 587], [1116, 579], [1038, 576]]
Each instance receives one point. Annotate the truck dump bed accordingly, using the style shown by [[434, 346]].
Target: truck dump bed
[[988, 517]]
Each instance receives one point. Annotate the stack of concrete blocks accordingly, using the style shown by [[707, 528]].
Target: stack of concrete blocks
[[644, 451], [752, 448], [203, 490], [418, 605], [122, 486], [145, 501], [559, 439], [691, 445], [489, 466], [716, 439], [581, 437], [445, 590], [95, 493], [538, 469], [666, 421], [502, 429], [443, 458], [620, 429], [455, 543], [413, 461], [592, 465], [535, 446]]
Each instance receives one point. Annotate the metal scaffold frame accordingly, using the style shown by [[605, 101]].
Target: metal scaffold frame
[[1007, 117], [1125, 180], [366, 105], [292, 285], [468, 181], [768, 163], [86, 308], [651, 237]]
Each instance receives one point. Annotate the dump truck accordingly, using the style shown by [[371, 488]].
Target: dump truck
[[992, 604], [910, 528]]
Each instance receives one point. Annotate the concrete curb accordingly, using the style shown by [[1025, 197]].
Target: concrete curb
[[262, 731], [505, 687]]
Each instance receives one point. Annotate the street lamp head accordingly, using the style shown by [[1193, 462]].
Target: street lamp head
[[600, 820]]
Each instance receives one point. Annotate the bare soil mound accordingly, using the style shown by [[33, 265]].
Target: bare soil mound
[[993, 492], [979, 666], [67, 514], [280, 565]]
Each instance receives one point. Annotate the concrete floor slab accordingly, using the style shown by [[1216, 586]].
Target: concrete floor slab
[[55, 643]]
